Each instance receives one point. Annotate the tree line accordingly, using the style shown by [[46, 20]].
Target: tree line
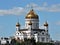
[[27, 42]]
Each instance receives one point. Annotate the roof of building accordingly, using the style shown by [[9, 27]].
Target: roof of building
[[40, 30], [32, 14], [46, 24], [17, 24]]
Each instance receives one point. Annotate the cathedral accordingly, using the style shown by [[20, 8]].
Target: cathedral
[[32, 29]]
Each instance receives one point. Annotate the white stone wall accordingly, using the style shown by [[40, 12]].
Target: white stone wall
[[19, 35], [39, 36], [42, 37], [17, 28], [35, 23]]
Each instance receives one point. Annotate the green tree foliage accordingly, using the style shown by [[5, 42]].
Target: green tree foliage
[[28, 42], [17, 43], [40, 43], [13, 41]]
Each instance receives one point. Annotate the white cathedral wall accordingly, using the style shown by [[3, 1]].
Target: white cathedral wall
[[46, 37], [36, 36], [19, 35], [46, 28], [35, 23], [17, 28]]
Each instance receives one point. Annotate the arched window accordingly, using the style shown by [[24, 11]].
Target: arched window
[[18, 38], [18, 33], [42, 39], [43, 33]]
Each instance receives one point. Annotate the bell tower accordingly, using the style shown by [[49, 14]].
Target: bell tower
[[17, 26], [46, 26]]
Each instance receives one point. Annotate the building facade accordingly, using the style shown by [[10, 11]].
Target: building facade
[[32, 29]]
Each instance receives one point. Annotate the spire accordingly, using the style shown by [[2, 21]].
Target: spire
[[17, 18], [18, 24]]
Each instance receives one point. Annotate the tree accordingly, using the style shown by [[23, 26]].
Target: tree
[[17, 43], [13, 41], [29, 41], [41, 43]]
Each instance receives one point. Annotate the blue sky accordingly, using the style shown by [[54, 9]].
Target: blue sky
[[48, 10]]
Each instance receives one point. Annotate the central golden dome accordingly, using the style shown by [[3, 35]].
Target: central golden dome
[[31, 14]]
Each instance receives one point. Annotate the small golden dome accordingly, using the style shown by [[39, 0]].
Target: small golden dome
[[46, 24], [31, 14], [17, 24], [30, 23]]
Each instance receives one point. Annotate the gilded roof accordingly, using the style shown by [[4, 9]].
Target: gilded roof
[[17, 24], [46, 24], [31, 14]]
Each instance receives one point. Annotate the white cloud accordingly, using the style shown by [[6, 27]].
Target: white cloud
[[45, 4], [21, 10], [45, 7], [53, 8], [13, 11]]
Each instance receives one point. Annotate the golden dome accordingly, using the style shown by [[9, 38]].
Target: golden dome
[[17, 24], [46, 24], [31, 14], [30, 23]]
